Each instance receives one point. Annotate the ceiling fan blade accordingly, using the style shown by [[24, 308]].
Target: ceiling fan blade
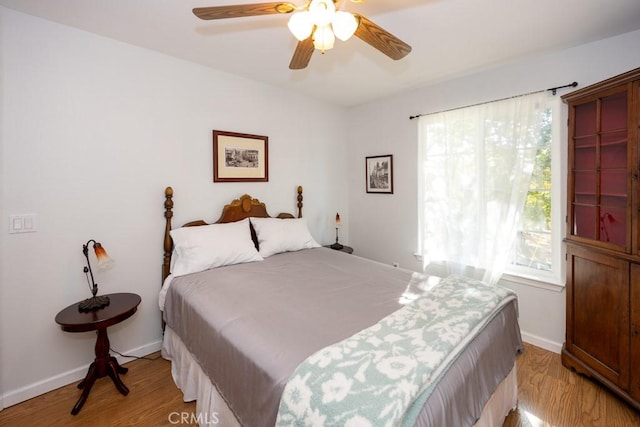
[[241, 10], [381, 39], [302, 55]]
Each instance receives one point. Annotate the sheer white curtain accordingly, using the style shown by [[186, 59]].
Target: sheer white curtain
[[475, 165]]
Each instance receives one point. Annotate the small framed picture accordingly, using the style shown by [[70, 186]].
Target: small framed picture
[[240, 157], [379, 171]]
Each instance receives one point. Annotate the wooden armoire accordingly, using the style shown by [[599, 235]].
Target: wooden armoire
[[603, 234]]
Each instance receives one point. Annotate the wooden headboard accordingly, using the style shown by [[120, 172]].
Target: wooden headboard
[[238, 209]]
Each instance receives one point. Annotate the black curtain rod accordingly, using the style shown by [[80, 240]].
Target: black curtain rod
[[553, 91]]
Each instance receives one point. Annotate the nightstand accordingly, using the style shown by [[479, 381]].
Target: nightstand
[[346, 249], [121, 307]]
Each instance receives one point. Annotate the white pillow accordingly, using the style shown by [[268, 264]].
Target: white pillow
[[209, 246], [277, 235]]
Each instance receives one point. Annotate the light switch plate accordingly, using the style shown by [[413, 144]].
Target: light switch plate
[[25, 223]]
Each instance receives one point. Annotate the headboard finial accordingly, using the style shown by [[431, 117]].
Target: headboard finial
[[299, 201], [168, 243]]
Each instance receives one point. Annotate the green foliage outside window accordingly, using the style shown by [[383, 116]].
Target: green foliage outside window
[[534, 242]]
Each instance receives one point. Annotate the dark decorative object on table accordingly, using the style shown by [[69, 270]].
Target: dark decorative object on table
[[104, 262]]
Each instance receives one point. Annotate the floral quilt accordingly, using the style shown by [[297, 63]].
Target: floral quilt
[[382, 375]]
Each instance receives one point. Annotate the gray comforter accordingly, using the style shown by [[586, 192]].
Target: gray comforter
[[250, 325]]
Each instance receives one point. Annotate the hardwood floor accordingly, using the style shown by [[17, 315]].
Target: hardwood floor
[[549, 396], [152, 398]]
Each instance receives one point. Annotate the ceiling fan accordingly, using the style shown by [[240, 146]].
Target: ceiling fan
[[315, 25]]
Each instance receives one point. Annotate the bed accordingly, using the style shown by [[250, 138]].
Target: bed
[[277, 330]]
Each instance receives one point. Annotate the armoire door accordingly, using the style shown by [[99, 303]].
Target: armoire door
[[598, 312]]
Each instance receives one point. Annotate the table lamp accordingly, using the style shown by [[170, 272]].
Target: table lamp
[[337, 245], [104, 262]]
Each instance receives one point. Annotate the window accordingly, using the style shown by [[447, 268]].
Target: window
[[537, 252], [487, 203], [533, 244]]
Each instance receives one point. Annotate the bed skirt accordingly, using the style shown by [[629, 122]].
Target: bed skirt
[[212, 409]]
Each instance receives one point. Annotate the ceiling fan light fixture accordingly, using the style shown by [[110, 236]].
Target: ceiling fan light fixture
[[301, 25], [344, 25], [323, 38], [316, 24]]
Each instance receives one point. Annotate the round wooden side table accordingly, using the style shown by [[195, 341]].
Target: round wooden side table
[[71, 319]]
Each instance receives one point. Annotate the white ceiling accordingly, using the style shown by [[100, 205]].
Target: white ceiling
[[450, 38]]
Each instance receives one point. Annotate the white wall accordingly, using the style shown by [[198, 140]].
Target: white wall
[[383, 227], [92, 132]]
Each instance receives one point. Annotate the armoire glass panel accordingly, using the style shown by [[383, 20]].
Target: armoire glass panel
[[585, 182], [613, 150], [613, 112], [585, 199], [617, 201], [585, 157], [613, 182], [584, 221], [613, 220], [585, 119], [586, 141]]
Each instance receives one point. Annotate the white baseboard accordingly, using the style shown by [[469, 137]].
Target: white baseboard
[[542, 342], [36, 389]]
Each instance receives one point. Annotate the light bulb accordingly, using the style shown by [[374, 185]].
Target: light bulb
[[344, 25], [301, 25], [323, 38]]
